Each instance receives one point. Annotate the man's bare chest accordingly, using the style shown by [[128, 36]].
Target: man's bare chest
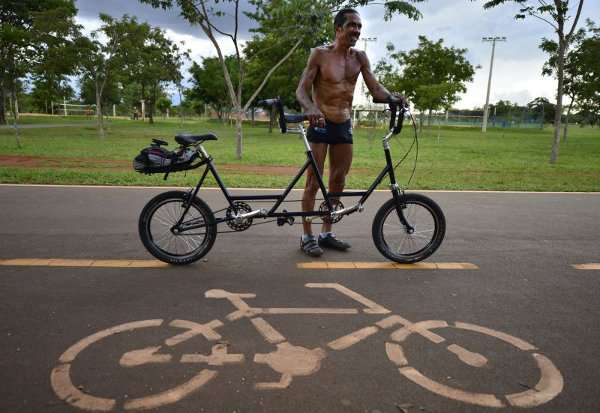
[[338, 69]]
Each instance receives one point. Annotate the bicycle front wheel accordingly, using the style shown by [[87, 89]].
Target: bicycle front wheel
[[179, 246], [418, 237]]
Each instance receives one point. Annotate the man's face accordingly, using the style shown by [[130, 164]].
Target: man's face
[[350, 31]]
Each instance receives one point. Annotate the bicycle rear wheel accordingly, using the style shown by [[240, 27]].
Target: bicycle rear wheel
[[415, 242], [160, 237]]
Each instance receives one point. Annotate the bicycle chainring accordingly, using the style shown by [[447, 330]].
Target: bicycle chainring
[[337, 206], [238, 224]]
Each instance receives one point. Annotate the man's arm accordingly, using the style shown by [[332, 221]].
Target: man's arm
[[378, 91], [305, 88]]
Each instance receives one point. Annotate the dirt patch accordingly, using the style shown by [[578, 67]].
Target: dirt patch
[[35, 162]]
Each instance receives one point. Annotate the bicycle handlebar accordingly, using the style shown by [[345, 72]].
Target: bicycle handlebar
[[396, 119]]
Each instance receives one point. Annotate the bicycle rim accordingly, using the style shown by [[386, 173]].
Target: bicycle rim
[[164, 217], [399, 241]]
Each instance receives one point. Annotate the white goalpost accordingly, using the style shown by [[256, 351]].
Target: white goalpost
[[71, 109]]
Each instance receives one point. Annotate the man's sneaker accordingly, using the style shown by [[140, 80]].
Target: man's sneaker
[[329, 240], [309, 245]]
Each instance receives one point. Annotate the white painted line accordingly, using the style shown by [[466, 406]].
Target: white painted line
[[267, 330], [60, 378], [468, 357], [396, 354], [480, 399], [218, 357], [372, 307], [194, 329], [351, 339], [72, 352], [143, 356], [550, 385], [517, 342], [172, 395]]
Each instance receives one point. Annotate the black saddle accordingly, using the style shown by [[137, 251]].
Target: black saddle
[[189, 139]]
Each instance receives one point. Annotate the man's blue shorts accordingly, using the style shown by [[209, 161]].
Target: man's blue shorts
[[332, 133]]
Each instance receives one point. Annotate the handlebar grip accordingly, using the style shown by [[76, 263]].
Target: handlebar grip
[[294, 118], [267, 102]]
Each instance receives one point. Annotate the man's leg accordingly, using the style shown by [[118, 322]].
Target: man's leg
[[312, 185], [340, 160]]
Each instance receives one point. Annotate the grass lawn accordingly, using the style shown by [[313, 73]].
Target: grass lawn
[[449, 158]]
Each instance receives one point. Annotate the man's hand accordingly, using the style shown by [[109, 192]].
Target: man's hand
[[315, 117], [399, 99]]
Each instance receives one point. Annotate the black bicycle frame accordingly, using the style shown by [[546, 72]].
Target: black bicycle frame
[[395, 127]]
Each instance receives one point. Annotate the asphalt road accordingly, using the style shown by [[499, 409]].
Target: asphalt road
[[518, 333]]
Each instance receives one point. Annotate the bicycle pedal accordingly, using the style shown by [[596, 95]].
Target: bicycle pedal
[[281, 221], [290, 220]]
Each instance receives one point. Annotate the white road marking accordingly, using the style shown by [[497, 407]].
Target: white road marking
[[517, 342], [372, 307], [480, 399], [267, 330], [396, 354], [550, 385], [290, 360], [421, 328], [218, 357], [172, 395], [60, 378], [468, 357], [194, 329], [142, 356], [72, 352], [351, 339]]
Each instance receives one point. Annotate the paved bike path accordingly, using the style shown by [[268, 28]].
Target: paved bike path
[[523, 244]]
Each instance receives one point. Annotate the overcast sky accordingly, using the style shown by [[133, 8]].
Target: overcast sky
[[461, 23]]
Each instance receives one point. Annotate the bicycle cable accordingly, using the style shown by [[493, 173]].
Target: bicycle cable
[[415, 143]]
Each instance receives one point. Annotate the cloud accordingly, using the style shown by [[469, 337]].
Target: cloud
[[462, 24]]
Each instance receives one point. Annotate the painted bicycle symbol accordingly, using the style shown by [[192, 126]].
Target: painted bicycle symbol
[[290, 361]]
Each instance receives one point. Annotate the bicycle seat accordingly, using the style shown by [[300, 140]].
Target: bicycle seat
[[189, 139]]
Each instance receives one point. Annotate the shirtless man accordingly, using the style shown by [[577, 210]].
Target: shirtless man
[[331, 74]]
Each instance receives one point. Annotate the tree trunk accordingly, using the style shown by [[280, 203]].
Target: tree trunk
[[567, 120], [99, 118], [2, 104], [559, 96], [239, 117], [14, 96]]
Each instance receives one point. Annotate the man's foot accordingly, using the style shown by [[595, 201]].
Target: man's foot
[[309, 245], [328, 240]]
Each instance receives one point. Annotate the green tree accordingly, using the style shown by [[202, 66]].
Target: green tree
[[581, 68], [163, 104], [31, 31], [556, 14], [208, 83], [543, 106], [431, 75], [98, 64], [205, 13], [145, 56]]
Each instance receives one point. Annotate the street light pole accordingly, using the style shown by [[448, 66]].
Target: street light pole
[[487, 97], [365, 40]]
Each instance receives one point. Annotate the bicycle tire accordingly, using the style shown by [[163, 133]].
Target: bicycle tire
[[180, 249], [423, 214]]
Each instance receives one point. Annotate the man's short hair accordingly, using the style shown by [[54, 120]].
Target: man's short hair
[[340, 17]]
